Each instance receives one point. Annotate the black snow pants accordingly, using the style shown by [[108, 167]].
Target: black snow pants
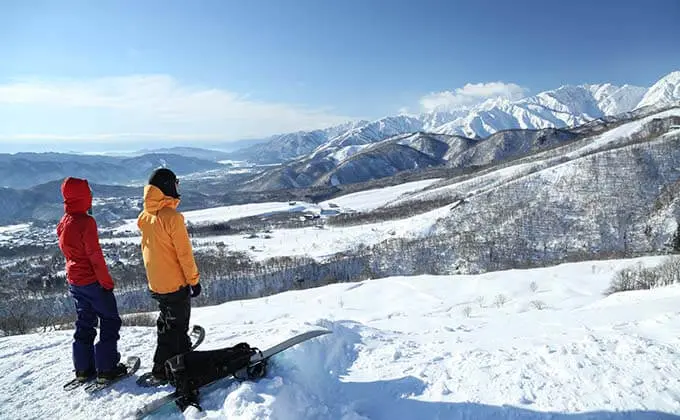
[[172, 325]]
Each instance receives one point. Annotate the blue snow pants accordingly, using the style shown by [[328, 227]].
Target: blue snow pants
[[93, 304]]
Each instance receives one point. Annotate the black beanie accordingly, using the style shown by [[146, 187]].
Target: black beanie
[[165, 180]]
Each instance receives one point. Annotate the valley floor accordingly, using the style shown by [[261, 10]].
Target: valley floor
[[522, 344]]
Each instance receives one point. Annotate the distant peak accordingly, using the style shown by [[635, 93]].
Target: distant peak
[[664, 92], [672, 77]]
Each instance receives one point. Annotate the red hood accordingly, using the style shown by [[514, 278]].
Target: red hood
[[77, 195]]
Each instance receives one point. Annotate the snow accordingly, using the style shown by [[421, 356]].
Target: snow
[[615, 100], [14, 228], [664, 92], [372, 199], [548, 168], [8, 232], [346, 152], [403, 348], [477, 185], [312, 241], [565, 106], [318, 243], [226, 213], [622, 133], [361, 201]]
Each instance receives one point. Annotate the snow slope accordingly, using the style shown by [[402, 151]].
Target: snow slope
[[361, 201], [312, 241], [372, 199], [551, 164], [318, 243], [226, 213], [664, 92], [621, 134], [403, 348]]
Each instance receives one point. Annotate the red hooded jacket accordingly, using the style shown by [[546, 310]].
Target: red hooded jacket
[[78, 237]]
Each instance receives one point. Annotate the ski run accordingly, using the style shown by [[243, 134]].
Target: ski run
[[533, 344]]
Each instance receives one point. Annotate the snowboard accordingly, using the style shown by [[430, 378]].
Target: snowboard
[[255, 369], [132, 364], [75, 383], [147, 380]]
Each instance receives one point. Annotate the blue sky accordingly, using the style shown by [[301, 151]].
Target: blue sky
[[224, 70]]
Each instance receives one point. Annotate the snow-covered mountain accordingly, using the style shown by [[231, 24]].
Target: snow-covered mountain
[[566, 106], [624, 180], [615, 190], [613, 100], [288, 146], [561, 107], [664, 92], [405, 152], [374, 131]]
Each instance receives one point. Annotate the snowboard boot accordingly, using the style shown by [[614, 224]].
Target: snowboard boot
[[158, 375], [109, 375], [85, 375]]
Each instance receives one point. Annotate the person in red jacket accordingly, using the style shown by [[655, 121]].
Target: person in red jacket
[[90, 285]]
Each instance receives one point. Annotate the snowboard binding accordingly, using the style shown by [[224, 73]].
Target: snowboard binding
[[254, 370], [189, 398], [258, 370]]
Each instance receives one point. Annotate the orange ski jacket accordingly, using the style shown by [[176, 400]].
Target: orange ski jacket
[[166, 248]]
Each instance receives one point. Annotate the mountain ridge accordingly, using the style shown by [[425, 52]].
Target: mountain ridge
[[566, 106]]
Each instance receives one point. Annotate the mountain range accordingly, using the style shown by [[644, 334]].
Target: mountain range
[[24, 170], [354, 152], [493, 131], [566, 106]]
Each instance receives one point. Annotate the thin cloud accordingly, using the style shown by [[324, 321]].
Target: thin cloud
[[154, 106], [471, 95]]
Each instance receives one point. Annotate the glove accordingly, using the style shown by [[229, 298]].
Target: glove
[[195, 290]]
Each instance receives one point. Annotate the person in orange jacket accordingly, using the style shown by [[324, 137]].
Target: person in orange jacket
[[170, 266]]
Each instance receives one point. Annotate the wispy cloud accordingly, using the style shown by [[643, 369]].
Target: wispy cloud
[[149, 106], [471, 95]]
